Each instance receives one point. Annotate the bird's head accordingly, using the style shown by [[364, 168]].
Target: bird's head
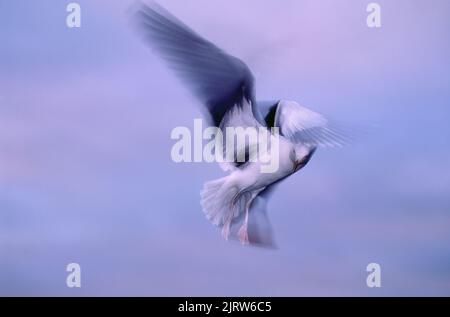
[[301, 155]]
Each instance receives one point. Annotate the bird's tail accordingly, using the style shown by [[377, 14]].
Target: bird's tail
[[224, 204], [220, 200]]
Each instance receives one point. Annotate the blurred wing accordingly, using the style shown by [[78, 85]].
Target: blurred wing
[[219, 80], [302, 125], [260, 233]]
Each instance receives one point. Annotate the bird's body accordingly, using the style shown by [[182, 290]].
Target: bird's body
[[225, 199], [224, 84]]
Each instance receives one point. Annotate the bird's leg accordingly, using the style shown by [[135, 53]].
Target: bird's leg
[[226, 228], [243, 231]]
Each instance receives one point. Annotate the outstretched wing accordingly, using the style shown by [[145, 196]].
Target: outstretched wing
[[218, 79], [302, 125]]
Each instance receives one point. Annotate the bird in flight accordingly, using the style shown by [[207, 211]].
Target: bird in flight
[[224, 85]]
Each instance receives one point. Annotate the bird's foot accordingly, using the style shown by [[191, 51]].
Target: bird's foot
[[243, 235]]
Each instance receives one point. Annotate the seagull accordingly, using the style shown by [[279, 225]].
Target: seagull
[[224, 84]]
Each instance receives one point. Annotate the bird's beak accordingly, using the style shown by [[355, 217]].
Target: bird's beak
[[298, 165], [301, 163]]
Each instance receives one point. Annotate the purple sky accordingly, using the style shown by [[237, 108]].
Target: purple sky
[[86, 174]]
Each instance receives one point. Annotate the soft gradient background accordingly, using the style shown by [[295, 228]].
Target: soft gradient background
[[86, 174]]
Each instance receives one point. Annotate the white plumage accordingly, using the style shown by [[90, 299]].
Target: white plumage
[[225, 86]]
